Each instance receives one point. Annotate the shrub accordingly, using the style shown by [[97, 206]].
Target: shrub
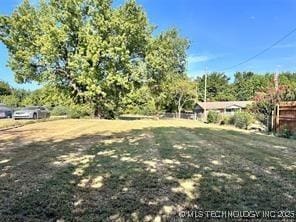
[[214, 117], [72, 111], [286, 133], [79, 111], [10, 100], [225, 119], [140, 102], [243, 120], [146, 109], [231, 120], [60, 111]]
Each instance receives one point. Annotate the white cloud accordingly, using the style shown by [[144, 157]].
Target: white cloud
[[197, 59]]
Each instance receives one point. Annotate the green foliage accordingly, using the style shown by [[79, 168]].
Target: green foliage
[[89, 53], [79, 111], [5, 89], [15, 99], [73, 111], [96, 53], [286, 133], [166, 65], [140, 102], [266, 101], [246, 84], [166, 57], [49, 96], [148, 109], [242, 120], [11, 100], [60, 111], [214, 117], [218, 87], [226, 120], [231, 120], [181, 93]]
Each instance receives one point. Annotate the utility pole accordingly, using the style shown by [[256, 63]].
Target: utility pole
[[276, 81], [205, 95], [196, 101], [276, 113]]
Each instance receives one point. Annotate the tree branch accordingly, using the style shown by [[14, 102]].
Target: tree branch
[[71, 81]]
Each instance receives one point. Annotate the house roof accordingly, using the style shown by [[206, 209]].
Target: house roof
[[224, 105]]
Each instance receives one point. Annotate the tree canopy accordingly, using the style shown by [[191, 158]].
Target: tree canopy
[[5, 89], [92, 51], [218, 87], [244, 86]]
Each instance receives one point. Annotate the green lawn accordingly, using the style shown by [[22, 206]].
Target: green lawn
[[144, 170]]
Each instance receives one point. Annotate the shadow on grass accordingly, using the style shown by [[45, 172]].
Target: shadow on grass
[[145, 175]]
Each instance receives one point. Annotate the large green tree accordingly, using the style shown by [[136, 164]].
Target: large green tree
[[84, 47], [218, 87], [165, 64], [246, 84], [182, 94], [288, 80]]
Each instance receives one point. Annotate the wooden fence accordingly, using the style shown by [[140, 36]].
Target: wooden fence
[[285, 117]]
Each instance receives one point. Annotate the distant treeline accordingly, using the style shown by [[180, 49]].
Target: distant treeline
[[245, 85]]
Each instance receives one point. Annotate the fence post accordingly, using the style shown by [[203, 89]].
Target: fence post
[[277, 120], [273, 125]]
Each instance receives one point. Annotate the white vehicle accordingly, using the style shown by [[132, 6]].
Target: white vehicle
[[32, 112]]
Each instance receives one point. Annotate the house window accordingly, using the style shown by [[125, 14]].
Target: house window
[[230, 110]]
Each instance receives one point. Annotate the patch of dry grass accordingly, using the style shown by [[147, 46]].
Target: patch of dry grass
[[8, 123], [11, 123], [144, 170]]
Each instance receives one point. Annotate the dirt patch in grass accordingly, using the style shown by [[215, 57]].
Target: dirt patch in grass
[[93, 170]]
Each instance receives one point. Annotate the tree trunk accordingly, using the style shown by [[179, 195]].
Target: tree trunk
[[179, 112], [97, 112], [269, 123], [179, 108]]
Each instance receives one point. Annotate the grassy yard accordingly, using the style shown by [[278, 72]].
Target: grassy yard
[[144, 170], [11, 123], [8, 123]]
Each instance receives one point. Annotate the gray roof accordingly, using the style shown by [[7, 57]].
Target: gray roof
[[224, 105]]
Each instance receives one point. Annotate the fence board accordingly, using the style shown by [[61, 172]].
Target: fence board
[[286, 117]]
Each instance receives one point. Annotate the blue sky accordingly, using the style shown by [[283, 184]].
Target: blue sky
[[222, 32]]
